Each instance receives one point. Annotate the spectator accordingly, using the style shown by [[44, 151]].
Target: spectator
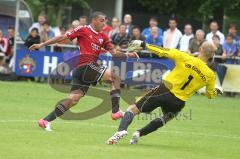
[[136, 34], [128, 22], [229, 50], [75, 24], [196, 42], [154, 38], [11, 34], [122, 38], [33, 38], [47, 32], [3, 68], [218, 47], [153, 22], [172, 36], [39, 24], [215, 31], [106, 28], [232, 29], [3, 44], [63, 42], [184, 41], [115, 26], [83, 20]]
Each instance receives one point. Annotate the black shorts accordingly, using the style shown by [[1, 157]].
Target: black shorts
[[160, 97], [84, 76]]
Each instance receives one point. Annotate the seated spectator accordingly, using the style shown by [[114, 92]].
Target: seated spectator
[[122, 38], [33, 38], [115, 26], [218, 47], [39, 24], [171, 36], [154, 38], [106, 27], [3, 44], [153, 22], [136, 34], [83, 20], [215, 31], [229, 50], [127, 20], [46, 33], [196, 42], [184, 41]]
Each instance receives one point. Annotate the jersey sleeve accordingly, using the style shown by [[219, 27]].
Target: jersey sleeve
[[107, 45], [173, 54], [75, 33], [210, 88]]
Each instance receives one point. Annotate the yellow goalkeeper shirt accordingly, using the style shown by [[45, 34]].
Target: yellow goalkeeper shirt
[[189, 74]]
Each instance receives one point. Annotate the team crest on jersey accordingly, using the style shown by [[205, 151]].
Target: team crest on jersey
[[100, 41], [27, 65], [90, 36]]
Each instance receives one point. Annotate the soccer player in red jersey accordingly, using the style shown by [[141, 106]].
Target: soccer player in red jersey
[[91, 41]]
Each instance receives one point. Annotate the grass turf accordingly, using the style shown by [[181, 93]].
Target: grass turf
[[209, 129]]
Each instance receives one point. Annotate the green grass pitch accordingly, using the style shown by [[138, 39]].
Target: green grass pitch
[[212, 131]]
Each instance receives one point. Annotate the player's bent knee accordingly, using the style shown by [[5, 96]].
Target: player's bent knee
[[75, 98], [134, 109]]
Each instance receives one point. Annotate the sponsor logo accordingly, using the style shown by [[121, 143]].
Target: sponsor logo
[[27, 65]]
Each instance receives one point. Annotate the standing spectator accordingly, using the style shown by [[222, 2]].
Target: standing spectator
[[106, 28], [196, 42], [218, 47], [229, 50], [171, 36], [115, 26], [3, 44], [33, 38], [154, 38], [128, 22], [11, 34], [232, 29], [83, 20], [215, 31], [184, 41], [136, 34], [153, 22], [39, 24], [122, 38], [47, 32]]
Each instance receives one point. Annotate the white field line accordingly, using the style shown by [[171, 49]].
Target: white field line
[[131, 128]]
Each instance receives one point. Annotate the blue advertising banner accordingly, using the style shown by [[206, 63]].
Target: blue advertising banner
[[142, 71]]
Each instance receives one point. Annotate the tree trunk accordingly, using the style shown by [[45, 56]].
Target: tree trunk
[[59, 15]]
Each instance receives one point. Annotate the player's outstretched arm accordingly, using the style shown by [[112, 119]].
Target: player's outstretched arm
[[123, 53], [173, 54], [48, 42]]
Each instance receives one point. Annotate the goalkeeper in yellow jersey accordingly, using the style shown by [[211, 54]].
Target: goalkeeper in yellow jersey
[[187, 77]]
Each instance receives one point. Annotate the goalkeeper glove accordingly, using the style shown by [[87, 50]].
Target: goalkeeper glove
[[135, 45]]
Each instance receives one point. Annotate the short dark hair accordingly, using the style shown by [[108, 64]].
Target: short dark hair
[[230, 35], [94, 15], [46, 23], [83, 17], [11, 28], [214, 21], [136, 27], [216, 36], [232, 26], [173, 17], [34, 29], [154, 19]]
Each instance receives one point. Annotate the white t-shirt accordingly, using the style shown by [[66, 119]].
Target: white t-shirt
[[171, 39], [184, 42], [221, 36]]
